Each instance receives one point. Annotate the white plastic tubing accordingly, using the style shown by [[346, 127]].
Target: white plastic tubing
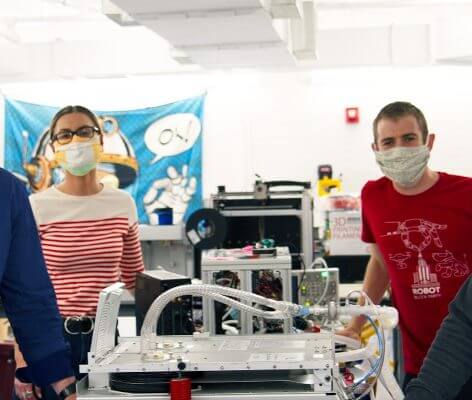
[[357, 353], [228, 296], [386, 314], [283, 310]]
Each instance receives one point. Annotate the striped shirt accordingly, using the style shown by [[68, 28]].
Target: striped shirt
[[89, 243]]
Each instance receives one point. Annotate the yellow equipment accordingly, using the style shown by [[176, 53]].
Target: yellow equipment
[[325, 185]]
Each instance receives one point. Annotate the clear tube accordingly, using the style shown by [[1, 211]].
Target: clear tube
[[381, 312], [371, 310], [325, 290], [282, 309], [378, 366], [255, 298], [320, 260], [149, 325]]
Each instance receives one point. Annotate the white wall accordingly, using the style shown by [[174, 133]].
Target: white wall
[[281, 125]]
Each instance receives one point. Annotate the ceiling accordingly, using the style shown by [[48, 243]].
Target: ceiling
[[68, 39]]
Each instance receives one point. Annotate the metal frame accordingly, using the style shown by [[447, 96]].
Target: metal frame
[[304, 351], [105, 394], [240, 356], [305, 214], [309, 356], [245, 268]]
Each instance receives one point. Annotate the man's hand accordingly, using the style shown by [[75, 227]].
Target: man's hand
[[62, 384], [376, 281], [24, 391], [349, 332]]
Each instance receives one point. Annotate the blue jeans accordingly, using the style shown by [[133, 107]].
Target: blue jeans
[[79, 347]]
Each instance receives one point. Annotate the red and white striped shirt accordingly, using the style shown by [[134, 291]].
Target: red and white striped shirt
[[89, 243]]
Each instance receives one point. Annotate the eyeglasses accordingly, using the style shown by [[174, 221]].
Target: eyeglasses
[[66, 136]]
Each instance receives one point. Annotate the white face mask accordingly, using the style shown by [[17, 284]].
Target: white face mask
[[404, 165], [78, 158]]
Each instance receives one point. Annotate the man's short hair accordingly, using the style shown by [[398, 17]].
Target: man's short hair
[[400, 109]]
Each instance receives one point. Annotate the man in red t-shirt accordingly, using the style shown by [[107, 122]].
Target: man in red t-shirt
[[418, 223]]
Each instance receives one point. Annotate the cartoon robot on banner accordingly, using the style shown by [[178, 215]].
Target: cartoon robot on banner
[[166, 137], [117, 168]]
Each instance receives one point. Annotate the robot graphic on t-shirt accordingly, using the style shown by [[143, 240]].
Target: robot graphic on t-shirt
[[400, 259], [417, 234], [449, 266]]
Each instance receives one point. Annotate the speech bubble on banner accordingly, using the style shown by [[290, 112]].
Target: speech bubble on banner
[[172, 135]]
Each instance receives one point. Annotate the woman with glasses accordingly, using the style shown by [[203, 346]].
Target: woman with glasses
[[88, 232]]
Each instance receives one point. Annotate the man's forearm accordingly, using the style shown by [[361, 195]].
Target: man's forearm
[[376, 281]]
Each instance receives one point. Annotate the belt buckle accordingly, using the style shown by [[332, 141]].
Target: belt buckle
[[66, 328]]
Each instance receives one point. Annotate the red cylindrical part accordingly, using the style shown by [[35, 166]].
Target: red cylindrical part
[[181, 389], [348, 377]]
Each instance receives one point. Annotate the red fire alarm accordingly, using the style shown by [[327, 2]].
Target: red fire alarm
[[352, 115]]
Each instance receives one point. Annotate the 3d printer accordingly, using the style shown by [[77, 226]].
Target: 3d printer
[[286, 216]]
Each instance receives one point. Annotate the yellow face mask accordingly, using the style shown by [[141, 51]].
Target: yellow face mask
[[78, 158]]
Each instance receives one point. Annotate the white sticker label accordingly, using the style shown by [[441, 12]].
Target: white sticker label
[[276, 357], [193, 237], [242, 345]]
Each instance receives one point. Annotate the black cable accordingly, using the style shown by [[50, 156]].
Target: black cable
[[141, 382]]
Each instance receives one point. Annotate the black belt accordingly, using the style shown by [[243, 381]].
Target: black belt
[[79, 325]]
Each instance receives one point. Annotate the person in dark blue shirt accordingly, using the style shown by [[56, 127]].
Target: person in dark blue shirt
[[28, 296], [447, 368]]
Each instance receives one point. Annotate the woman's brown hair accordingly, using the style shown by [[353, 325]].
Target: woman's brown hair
[[70, 110]]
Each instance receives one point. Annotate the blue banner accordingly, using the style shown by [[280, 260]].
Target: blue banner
[[153, 153]]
